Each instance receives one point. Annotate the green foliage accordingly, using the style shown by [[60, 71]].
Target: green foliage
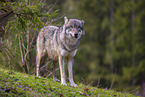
[[26, 15], [18, 84], [22, 28]]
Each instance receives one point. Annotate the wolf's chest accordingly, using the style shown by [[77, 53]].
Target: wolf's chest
[[66, 53]]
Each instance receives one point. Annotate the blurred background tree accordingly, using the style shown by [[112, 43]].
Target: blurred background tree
[[111, 54]]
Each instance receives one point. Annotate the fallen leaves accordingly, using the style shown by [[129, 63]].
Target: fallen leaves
[[8, 90], [61, 95], [86, 90], [83, 93]]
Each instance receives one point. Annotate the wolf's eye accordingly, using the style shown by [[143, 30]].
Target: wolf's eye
[[78, 28], [71, 26]]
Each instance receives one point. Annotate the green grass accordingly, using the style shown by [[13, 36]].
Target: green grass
[[14, 84]]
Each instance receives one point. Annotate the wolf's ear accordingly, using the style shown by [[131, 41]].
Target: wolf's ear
[[65, 19], [83, 22]]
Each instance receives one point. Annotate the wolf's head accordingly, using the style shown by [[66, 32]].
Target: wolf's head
[[74, 28]]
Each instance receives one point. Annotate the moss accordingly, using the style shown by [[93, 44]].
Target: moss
[[18, 84]]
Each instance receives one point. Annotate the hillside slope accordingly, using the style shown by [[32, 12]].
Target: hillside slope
[[22, 85]]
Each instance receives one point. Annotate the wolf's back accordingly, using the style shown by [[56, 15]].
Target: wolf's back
[[47, 33]]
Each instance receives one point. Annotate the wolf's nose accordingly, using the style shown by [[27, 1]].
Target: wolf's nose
[[76, 35]]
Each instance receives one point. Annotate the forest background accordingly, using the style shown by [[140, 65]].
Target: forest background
[[111, 54]]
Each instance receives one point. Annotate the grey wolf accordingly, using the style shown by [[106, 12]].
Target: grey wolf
[[60, 43]]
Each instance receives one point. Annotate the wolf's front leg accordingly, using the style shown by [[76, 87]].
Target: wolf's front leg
[[62, 70], [70, 64]]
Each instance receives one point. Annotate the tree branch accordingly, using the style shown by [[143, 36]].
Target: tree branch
[[1, 19], [21, 50]]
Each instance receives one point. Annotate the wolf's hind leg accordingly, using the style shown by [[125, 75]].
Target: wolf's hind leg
[[38, 58], [54, 71], [40, 46]]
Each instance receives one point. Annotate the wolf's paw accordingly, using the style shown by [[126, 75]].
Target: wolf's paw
[[73, 85], [64, 84], [56, 80], [39, 76]]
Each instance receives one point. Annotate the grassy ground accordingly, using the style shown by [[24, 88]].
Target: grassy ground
[[21, 85]]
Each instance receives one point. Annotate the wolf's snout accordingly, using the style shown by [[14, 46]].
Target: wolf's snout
[[76, 35]]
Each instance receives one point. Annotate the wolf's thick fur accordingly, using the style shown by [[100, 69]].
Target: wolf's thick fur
[[60, 43]]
